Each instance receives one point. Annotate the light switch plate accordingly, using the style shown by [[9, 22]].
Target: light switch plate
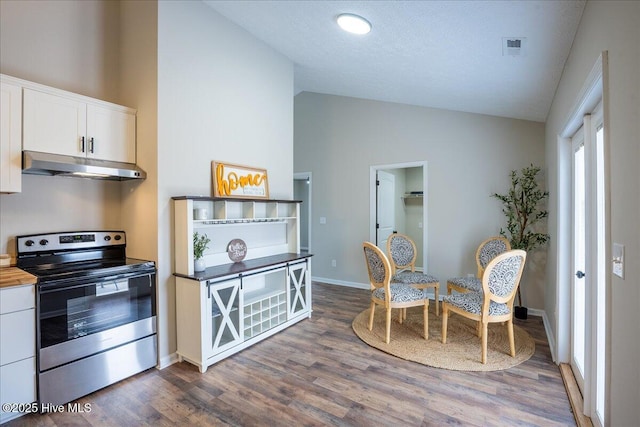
[[618, 259]]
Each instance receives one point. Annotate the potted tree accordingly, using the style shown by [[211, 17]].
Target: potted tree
[[522, 207], [200, 244]]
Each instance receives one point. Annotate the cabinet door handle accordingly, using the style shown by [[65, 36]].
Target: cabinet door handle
[[82, 144], [91, 145]]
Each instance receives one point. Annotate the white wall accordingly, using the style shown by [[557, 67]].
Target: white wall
[[73, 46], [469, 157], [222, 95], [139, 87], [204, 89], [615, 27]]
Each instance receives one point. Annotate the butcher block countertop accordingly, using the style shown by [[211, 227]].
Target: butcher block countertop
[[13, 276]]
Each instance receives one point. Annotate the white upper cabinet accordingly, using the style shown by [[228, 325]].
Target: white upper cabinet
[[53, 124], [111, 134], [73, 125], [10, 138]]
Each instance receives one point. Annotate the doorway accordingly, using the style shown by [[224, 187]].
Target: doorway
[[302, 191], [588, 290], [584, 246], [402, 198]]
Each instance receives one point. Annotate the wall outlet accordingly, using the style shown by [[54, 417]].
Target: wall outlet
[[333, 263], [323, 220]]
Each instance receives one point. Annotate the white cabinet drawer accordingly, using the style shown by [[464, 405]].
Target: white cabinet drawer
[[17, 336], [17, 298], [18, 385]]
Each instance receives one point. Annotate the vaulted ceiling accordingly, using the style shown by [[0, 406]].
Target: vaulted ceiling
[[441, 54]]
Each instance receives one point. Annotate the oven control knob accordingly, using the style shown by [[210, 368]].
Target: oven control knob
[[44, 242], [118, 237], [107, 238], [29, 243]]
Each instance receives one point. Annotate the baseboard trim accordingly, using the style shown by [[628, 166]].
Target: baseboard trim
[[166, 361], [550, 337], [340, 282]]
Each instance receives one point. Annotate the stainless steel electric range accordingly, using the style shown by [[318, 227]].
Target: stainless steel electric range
[[95, 308]]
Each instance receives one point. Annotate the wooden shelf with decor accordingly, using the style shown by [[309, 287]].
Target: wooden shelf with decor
[[232, 305]]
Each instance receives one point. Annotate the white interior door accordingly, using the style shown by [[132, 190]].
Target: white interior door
[[385, 208]]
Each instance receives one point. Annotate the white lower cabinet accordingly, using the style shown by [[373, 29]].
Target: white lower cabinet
[[223, 315], [17, 351]]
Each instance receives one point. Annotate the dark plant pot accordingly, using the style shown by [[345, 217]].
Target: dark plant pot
[[521, 312]]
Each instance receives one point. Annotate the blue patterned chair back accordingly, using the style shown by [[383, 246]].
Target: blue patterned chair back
[[489, 249], [402, 250], [377, 265], [502, 276]]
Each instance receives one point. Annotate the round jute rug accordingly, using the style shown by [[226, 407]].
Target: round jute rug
[[462, 352]]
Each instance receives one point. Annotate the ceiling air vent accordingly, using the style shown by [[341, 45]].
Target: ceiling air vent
[[514, 46]]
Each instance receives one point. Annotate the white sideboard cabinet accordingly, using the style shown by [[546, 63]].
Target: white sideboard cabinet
[[230, 306]]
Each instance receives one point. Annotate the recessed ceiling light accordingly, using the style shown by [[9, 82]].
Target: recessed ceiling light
[[353, 23]]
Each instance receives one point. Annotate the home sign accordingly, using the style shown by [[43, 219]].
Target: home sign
[[242, 182]]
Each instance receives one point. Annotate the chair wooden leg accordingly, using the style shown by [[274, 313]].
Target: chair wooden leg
[[373, 310], [484, 342], [388, 337], [437, 292], [401, 315], [512, 344], [425, 314], [479, 329], [445, 316]]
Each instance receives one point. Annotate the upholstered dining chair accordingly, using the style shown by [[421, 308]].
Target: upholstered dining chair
[[403, 253], [487, 250], [500, 282], [390, 295]]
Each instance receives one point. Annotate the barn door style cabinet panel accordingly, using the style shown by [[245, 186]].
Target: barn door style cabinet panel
[[232, 305]]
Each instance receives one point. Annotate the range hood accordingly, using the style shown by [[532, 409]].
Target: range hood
[[37, 163]]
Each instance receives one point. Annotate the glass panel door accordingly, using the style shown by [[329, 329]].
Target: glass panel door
[[601, 295], [578, 282], [225, 320], [298, 291]]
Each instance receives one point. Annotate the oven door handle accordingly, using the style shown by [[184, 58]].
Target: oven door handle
[[80, 282]]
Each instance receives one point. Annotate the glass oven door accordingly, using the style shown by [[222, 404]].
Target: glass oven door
[[94, 313]]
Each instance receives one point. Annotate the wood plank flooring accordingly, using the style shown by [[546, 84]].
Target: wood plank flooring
[[319, 373]]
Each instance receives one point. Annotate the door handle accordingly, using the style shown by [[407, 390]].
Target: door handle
[[579, 274]]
